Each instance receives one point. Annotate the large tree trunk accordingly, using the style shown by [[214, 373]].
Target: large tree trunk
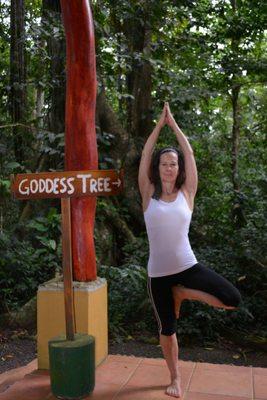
[[137, 32], [57, 52], [139, 78], [17, 99], [108, 121], [142, 109], [126, 153], [139, 82]]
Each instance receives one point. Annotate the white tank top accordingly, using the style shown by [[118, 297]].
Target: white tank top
[[167, 225]]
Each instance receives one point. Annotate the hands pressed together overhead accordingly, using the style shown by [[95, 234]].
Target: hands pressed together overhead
[[167, 117]]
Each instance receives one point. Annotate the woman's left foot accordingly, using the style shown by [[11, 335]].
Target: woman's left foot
[[174, 389]]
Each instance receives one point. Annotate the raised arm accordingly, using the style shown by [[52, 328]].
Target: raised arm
[[191, 181], [143, 175]]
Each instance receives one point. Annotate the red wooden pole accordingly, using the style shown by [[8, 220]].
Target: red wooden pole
[[80, 137], [67, 268]]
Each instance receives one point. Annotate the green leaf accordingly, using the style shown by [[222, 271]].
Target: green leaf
[[39, 227], [12, 165], [52, 244]]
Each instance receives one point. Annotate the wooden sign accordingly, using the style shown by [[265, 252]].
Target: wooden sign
[[67, 184]]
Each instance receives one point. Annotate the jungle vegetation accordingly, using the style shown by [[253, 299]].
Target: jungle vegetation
[[208, 59]]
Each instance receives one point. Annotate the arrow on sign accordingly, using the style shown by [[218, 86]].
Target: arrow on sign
[[117, 183]]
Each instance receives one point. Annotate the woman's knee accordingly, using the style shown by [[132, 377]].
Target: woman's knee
[[168, 327], [168, 332], [232, 298]]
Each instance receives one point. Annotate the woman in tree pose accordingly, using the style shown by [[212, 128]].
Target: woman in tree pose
[[168, 185]]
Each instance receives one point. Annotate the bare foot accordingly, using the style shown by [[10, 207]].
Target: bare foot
[[174, 389], [177, 296]]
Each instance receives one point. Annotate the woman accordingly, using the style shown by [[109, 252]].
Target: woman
[[168, 185]]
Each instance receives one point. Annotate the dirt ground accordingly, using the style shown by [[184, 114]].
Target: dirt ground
[[226, 353], [18, 348]]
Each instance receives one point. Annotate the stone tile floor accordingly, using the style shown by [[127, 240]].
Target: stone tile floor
[[133, 378]]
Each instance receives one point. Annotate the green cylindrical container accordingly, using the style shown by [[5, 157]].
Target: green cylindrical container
[[72, 366]]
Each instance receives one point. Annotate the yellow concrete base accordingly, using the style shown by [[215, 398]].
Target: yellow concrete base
[[90, 307]]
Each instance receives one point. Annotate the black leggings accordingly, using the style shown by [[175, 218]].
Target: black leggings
[[198, 277]]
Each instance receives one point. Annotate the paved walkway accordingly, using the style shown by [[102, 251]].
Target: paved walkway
[[133, 378]]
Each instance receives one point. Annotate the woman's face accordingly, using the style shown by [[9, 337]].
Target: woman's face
[[168, 167]]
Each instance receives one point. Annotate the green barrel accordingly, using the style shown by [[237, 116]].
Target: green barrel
[[72, 366]]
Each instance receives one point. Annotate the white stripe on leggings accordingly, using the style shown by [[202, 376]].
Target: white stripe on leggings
[[153, 304]]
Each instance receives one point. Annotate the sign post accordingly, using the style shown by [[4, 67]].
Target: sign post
[[67, 267]]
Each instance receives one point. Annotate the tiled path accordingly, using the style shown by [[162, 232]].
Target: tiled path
[[133, 378]]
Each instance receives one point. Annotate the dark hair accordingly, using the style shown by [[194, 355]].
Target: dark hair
[[154, 170]]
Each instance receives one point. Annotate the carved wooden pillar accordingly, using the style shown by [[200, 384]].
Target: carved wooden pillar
[[80, 137]]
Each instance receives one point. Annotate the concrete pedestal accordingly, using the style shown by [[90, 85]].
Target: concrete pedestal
[[90, 308]]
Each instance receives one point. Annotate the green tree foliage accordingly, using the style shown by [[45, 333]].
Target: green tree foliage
[[208, 59]]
